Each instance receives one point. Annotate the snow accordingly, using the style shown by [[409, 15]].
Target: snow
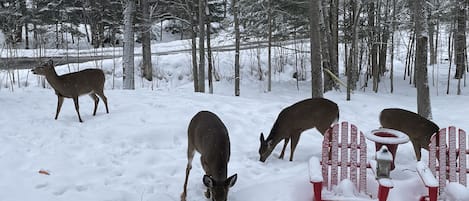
[[426, 175], [314, 166], [384, 154], [399, 137], [457, 192], [138, 150]]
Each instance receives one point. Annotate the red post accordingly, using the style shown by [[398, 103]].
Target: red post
[[317, 188], [383, 192]]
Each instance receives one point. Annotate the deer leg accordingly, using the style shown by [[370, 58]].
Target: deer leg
[[96, 101], [102, 96], [294, 141], [75, 100], [190, 156], [59, 106], [284, 147]]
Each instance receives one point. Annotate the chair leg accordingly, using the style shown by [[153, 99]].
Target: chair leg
[[432, 193], [317, 189], [383, 193]]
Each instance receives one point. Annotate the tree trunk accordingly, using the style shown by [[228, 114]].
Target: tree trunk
[[146, 41], [237, 46], [209, 50], [201, 84], [460, 39], [195, 71], [352, 70], [421, 51], [315, 48], [334, 45], [269, 48], [128, 54], [326, 41], [374, 45]]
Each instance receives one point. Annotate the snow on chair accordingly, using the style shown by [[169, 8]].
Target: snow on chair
[[448, 152], [344, 159]]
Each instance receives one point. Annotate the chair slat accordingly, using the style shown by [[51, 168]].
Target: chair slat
[[334, 156], [343, 150], [326, 144], [353, 154], [452, 149], [363, 161], [463, 148], [442, 159]]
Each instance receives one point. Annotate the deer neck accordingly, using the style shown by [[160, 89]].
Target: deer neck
[[53, 79]]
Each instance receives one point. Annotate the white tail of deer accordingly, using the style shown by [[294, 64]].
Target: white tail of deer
[[73, 85], [319, 113], [208, 135], [418, 128]]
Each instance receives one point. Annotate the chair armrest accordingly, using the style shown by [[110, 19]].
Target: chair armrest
[[426, 175], [315, 170]]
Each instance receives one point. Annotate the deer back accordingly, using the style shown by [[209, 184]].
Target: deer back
[[209, 136], [418, 128]]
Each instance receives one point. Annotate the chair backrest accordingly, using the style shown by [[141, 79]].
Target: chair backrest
[[344, 154], [448, 152]]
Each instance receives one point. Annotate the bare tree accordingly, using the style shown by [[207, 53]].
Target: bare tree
[[460, 39], [315, 46], [128, 50], [421, 51], [146, 41], [201, 73], [237, 46]]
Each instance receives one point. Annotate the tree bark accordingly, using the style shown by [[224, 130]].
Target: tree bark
[[421, 73], [146, 41], [128, 54], [201, 73], [315, 48], [460, 39], [237, 46]]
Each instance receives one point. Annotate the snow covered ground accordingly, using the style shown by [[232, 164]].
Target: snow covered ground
[[137, 152]]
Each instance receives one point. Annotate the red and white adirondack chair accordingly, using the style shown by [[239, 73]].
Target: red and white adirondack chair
[[447, 161], [343, 157]]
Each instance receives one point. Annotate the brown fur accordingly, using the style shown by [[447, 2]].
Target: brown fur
[[418, 128]]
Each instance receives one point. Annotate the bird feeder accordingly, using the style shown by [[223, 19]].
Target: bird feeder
[[384, 161]]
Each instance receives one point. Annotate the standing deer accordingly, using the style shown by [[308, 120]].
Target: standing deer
[[316, 113], [72, 85], [208, 135], [418, 128]]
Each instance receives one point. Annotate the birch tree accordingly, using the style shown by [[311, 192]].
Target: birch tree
[[237, 44], [128, 50]]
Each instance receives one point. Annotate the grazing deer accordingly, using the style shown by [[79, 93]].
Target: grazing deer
[[418, 128], [316, 113], [208, 135], [72, 85]]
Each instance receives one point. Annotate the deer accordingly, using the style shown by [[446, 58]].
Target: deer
[[418, 128], [319, 113], [209, 137], [73, 85]]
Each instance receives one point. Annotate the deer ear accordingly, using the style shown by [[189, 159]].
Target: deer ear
[[262, 139], [231, 181], [208, 181]]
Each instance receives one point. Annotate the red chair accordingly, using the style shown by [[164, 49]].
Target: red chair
[[447, 161], [343, 157]]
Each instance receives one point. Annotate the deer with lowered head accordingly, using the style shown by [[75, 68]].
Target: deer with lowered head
[[208, 136], [418, 128], [73, 85], [319, 113]]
